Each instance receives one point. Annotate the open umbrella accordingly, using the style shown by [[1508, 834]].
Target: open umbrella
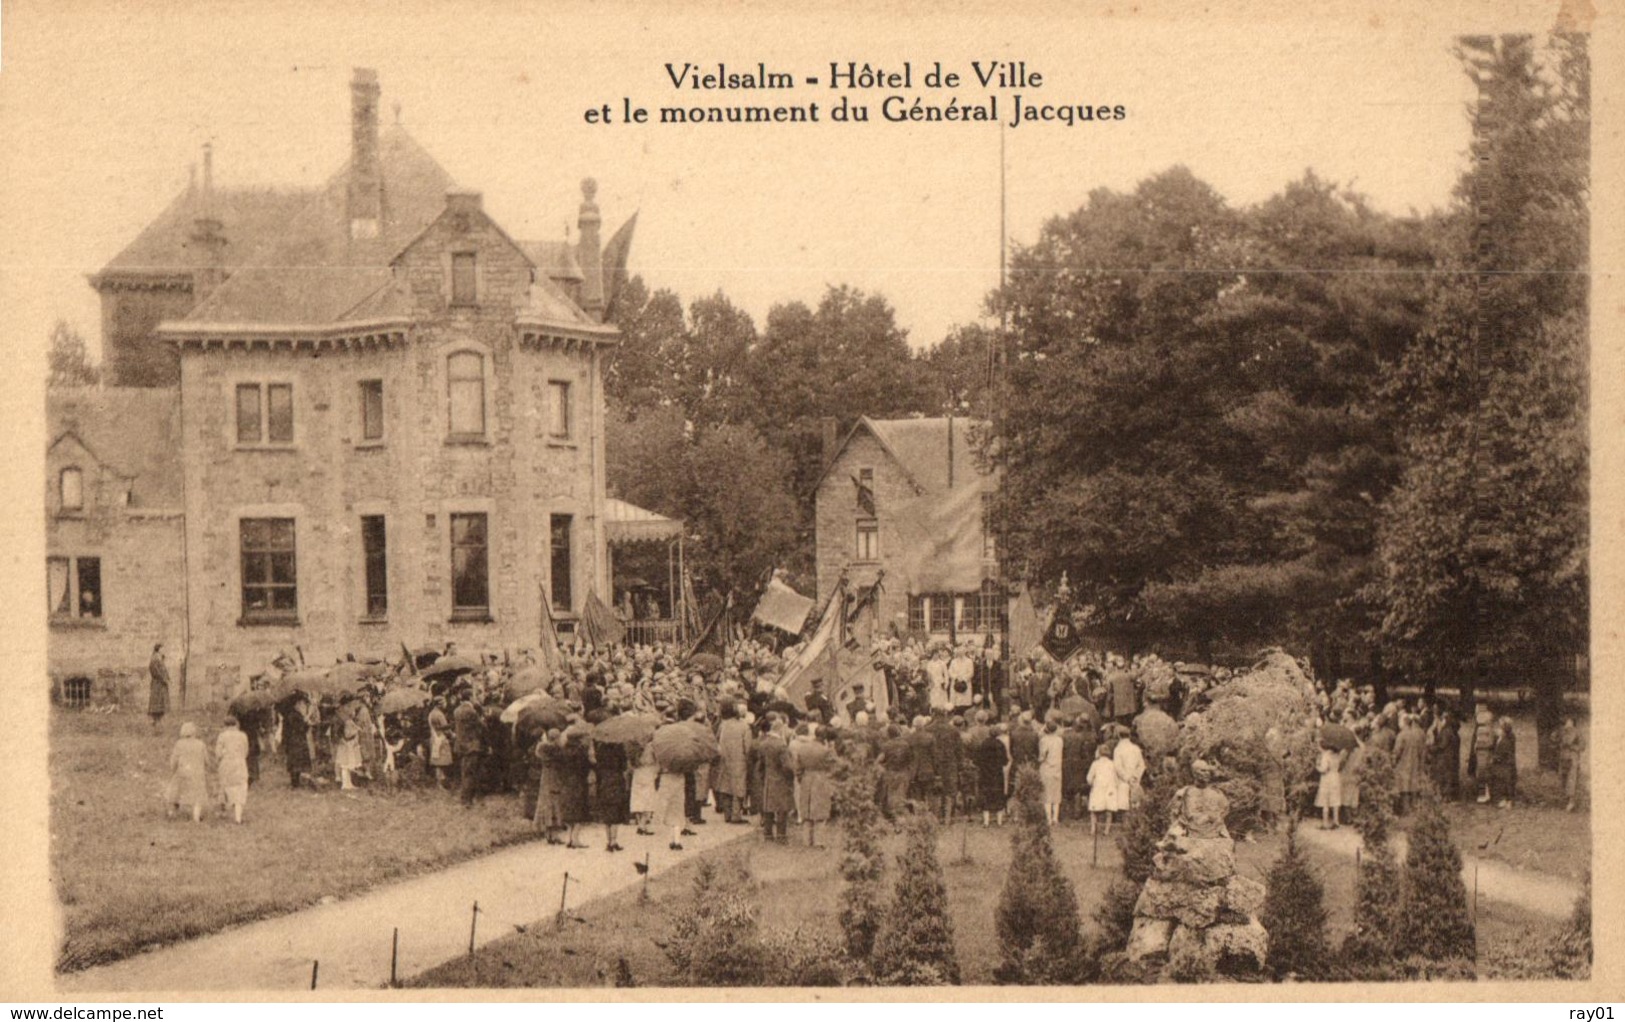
[[1337, 737], [398, 699], [680, 748], [450, 665], [626, 729], [309, 681], [529, 678], [510, 715], [251, 702], [350, 674], [704, 662], [545, 712]]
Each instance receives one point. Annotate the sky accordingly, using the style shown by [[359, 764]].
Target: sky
[[766, 213]]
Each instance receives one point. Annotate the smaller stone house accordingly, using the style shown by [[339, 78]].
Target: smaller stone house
[[891, 499]]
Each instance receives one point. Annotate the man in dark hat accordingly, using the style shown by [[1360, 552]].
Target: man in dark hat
[[818, 704], [858, 704]]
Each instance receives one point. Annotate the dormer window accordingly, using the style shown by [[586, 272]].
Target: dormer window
[[71, 489], [464, 289]]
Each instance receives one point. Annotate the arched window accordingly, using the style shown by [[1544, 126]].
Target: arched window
[[465, 387], [72, 490]]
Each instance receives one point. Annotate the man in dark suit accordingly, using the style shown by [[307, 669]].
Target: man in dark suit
[[948, 752], [469, 739], [859, 704], [818, 704]]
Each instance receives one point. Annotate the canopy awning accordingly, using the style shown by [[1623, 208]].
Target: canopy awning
[[628, 523]]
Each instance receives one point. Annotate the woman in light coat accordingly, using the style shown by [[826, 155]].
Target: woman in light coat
[[1130, 764], [1329, 794], [1104, 785], [1051, 750], [189, 773]]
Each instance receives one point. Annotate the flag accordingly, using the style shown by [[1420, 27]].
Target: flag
[[1025, 632], [716, 636], [692, 618], [549, 636], [942, 541], [614, 263], [866, 496], [1061, 638], [817, 659], [782, 607], [863, 617], [602, 626]]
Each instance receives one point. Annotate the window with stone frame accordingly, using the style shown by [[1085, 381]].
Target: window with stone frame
[[868, 540], [464, 278], [270, 572], [465, 392], [561, 563], [372, 410], [560, 414], [470, 566], [916, 613], [374, 555], [74, 587], [264, 414], [71, 489]]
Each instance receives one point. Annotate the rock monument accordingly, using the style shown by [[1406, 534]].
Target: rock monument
[[1195, 908]]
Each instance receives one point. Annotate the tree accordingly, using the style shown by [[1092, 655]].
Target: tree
[[1483, 545], [1435, 924], [863, 863], [638, 374], [953, 373], [1295, 916], [728, 486], [1189, 425], [1040, 940], [70, 359], [846, 359], [915, 945], [1369, 946]]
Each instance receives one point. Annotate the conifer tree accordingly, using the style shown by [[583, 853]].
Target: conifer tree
[[915, 945], [1295, 916], [1037, 917], [1435, 923], [863, 863], [1370, 944]]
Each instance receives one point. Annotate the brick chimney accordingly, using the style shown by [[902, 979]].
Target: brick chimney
[[208, 239], [589, 252], [366, 177]]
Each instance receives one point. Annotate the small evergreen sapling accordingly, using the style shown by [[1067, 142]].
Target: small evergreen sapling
[[915, 945]]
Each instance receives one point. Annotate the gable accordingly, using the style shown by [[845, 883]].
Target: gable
[[502, 270]]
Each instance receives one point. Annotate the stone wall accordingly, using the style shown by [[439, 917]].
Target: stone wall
[[835, 523]]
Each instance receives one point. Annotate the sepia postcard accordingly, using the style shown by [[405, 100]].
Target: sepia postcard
[[562, 501]]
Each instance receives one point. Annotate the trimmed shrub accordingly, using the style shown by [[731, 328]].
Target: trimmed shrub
[[1368, 950], [715, 942], [863, 863], [1295, 916], [1435, 924], [915, 944], [1037, 916], [1144, 827]]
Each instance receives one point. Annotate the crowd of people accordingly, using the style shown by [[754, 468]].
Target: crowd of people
[[949, 734]]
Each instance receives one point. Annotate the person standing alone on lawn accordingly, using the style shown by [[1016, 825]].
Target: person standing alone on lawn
[[1570, 754], [158, 693], [231, 755]]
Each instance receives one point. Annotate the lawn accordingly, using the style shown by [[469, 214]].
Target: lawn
[[129, 879], [801, 887]]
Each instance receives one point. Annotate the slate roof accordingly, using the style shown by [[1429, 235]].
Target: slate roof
[[920, 447], [250, 219], [133, 431], [314, 272], [557, 259]]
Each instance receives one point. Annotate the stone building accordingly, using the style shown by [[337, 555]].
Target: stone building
[[909, 497], [371, 416]]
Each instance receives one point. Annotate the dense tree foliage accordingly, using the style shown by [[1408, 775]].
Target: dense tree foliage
[[1483, 545], [69, 359]]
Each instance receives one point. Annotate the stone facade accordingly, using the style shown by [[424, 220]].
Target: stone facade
[[285, 365]]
